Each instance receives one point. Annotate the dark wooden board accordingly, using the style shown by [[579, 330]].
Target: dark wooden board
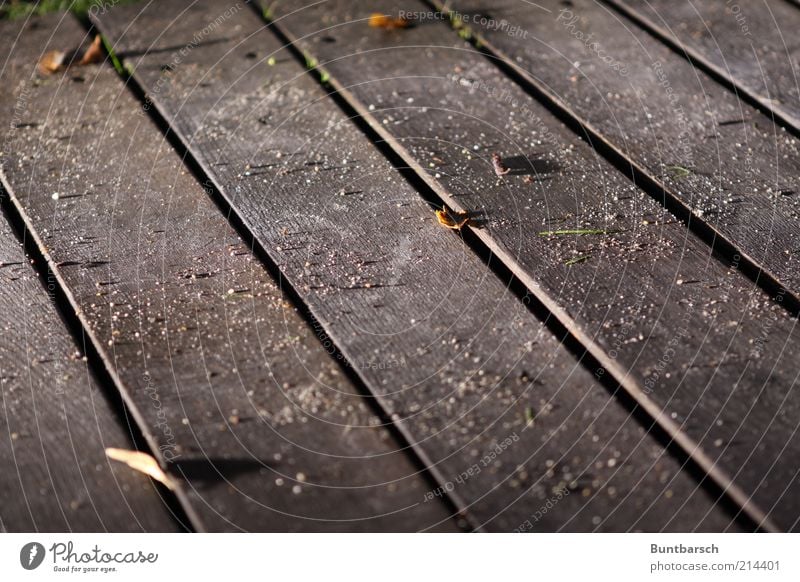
[[720, 160], [753, 45], [55, 422], [230, 384], [727, 381], [450, 353]]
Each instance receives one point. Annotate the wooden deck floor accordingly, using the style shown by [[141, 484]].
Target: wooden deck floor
[[219, 246]]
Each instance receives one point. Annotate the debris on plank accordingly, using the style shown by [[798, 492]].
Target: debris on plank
[[575, 231], [386, 22], [57, 60], [143, 463], [453, 219], [499, 167]]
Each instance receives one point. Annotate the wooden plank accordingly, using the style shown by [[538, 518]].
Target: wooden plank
[[752, 45], [230, 384], [691, 340], [718, 162], [500, 411], [56, 422]]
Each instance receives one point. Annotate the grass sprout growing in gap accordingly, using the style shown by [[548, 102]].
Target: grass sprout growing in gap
[[113, 56], [312, 64]]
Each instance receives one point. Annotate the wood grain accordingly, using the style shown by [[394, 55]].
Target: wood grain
[[501, 412], [751, 44], [695, 342], [56, 422], [719, 160], [230, 384]]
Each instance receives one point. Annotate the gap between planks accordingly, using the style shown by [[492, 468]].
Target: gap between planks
[[620, 374], [164, 115], [43, 293], [105, 364], [101, 366], [713, 237], [725, 78]]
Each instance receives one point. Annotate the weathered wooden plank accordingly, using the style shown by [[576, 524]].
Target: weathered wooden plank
[[692, 340], [462, 367], [753, 45], [719, 160], [232, 387], [56, 422]]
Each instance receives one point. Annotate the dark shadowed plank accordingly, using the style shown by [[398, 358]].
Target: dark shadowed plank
[[55, 423], [751, 44], [232, 386], [720, 160], [460, 364], [691, 339]]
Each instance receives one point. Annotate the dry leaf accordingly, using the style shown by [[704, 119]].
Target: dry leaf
[[54, 61], [378, 20], [51, 62], [94, 54], [452, 219], [141, 462]]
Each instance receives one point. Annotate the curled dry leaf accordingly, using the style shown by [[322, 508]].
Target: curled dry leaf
[[141, 462], [51, 62], [94, 54], [54, 61], [452, 219], [378, 20]]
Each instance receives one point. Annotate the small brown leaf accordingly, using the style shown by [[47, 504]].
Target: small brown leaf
[[51, 62], [94, 54], [141, 462], [54, 61], [378, 20], [452, 219]]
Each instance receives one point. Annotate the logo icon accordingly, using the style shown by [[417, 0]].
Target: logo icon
[[31, 555]]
